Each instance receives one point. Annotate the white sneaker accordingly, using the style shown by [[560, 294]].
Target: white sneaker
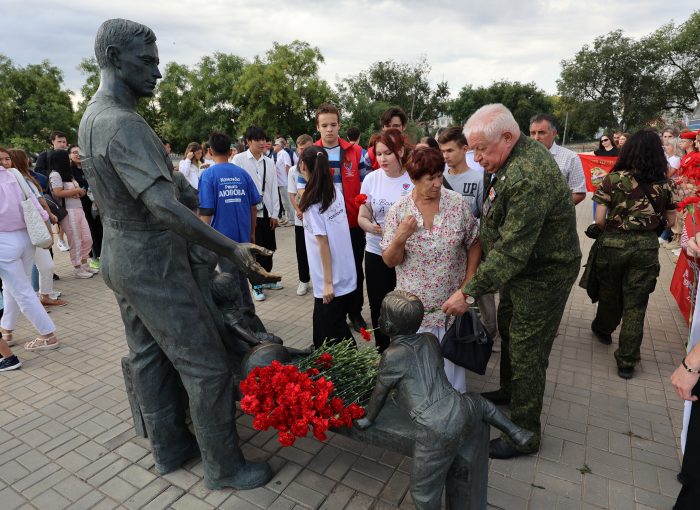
[[79, 273], [55, 294], [302, 288], [86, 268], [273, 286], [258, 294], [62, 245]]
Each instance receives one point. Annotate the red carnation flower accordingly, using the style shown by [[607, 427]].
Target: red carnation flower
[[324, 360], [366, 334], [286, 438], [356, 411], [360, 199]]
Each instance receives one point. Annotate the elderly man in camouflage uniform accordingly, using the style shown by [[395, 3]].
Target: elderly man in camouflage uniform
[[532, 255]]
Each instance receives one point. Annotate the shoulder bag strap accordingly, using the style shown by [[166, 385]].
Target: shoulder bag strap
[[20, 180], [264, 175], [445, 183], [653, 203]]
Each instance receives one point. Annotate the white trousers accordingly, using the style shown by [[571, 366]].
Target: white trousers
[[286, 203], [455, 374], [44, 263], [16, 258]]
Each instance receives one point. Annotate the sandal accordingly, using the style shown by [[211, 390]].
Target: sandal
[[43, 344], [7, 336]]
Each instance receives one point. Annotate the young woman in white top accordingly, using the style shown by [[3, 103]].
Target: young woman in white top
[[383, 187], [67, 189], [327, 236], [16, 256], [42, 257], [193, 165]]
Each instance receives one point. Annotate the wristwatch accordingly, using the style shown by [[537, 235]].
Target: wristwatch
[[469, 299]]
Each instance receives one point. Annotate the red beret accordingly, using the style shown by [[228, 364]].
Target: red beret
[[688, 135]]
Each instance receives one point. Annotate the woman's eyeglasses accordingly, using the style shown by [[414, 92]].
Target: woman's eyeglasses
[[605, 139]]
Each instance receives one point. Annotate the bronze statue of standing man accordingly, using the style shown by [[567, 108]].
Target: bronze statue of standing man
[[169, 330]]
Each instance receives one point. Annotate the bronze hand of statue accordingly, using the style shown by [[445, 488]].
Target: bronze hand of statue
[[244, 258]]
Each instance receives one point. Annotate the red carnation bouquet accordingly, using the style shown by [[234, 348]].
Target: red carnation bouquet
[[327, 389]]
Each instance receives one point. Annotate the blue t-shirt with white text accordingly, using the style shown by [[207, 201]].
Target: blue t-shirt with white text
[[230, 192]]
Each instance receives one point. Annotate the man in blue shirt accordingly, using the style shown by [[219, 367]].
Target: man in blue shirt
[[228, 200]]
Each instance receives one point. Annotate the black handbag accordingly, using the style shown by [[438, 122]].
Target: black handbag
[[466, 342], [56, 209]]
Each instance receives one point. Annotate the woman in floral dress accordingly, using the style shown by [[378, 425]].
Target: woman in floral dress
[[431, 238]]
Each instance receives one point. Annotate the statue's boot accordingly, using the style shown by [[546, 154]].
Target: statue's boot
[[223, 461], [493, 416], [172, 442]]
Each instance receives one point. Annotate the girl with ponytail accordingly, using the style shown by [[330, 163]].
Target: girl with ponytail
[[328, 248]]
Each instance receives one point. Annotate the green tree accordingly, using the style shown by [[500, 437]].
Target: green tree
[[280, 91], [193, 102], [88, 67], [523, 99], [33, 102], [366, 95], [622, 77], [678, 50]]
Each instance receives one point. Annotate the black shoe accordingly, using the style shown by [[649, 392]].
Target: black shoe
[[603, 338], [499, 449], [498, 397], [10, 363], [55, 277], [357, 322], [625, 373]]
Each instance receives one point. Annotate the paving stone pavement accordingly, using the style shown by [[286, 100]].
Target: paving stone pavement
[[68, 441]]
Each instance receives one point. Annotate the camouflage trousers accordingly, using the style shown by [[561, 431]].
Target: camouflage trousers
[[627, 275], [529, 314]]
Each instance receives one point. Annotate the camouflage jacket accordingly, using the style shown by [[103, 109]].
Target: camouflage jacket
[[628, 206], [528, 224]]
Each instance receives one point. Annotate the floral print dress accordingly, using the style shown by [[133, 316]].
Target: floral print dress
[[435, 260]]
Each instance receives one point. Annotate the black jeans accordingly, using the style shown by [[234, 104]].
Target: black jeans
[[329, 320], [265, 237], [302, 257], [381, 279], [357, 238]]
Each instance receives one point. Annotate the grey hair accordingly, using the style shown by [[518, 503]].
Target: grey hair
[[492, 120], [673, 142], [119, 32]]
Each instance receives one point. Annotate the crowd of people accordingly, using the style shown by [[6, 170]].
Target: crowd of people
[[458, 221]]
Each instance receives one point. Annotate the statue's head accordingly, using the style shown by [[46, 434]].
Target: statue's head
[[224, 288], [401, 313], [129, 49]]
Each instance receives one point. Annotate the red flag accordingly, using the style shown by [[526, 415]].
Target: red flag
[[682, 284], [595, 168]]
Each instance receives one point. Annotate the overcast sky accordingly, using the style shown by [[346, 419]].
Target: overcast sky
[[470, 42]]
